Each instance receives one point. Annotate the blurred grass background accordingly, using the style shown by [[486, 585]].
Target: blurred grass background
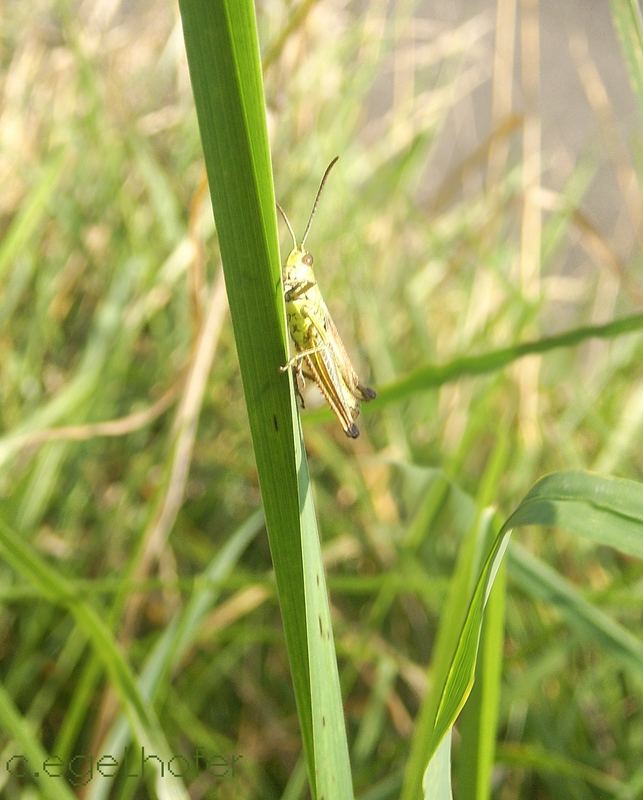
[[488, 192]]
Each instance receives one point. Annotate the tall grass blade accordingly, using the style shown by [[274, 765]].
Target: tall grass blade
[[223, 58]]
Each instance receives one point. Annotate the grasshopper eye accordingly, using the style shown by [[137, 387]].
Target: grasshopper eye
[[308, 259]]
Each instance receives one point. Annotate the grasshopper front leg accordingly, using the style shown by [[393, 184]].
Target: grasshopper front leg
[[296, 360]]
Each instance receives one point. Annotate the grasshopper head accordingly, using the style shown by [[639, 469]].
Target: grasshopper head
[[299, 267]]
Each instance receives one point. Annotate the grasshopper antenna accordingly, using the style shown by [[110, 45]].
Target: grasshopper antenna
[[319, 191], [292, 233]]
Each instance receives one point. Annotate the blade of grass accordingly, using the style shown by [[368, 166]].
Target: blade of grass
[[480, 715], [455, 609], [223, 58], [608, 510], [31, 759], [544, 583], [433, 375], [627, 21], [525, 756], [483, 363], [76, 392], [32, 210], [170, 649], [58, 590]]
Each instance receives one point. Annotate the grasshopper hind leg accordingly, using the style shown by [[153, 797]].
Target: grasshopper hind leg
[[352, 431], [365, 392]]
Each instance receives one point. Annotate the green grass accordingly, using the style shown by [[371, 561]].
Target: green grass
[[173, 551]]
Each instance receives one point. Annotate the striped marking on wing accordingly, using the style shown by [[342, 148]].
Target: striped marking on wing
[[330, 336], [322, 369]]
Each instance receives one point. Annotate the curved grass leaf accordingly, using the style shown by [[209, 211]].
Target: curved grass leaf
[[608, 510], [431, 376], [30, 757], [58, 590]]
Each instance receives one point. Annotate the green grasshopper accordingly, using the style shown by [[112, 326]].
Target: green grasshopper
[[320, 355]]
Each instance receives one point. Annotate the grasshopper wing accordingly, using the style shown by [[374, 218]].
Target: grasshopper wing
[[331, 336]]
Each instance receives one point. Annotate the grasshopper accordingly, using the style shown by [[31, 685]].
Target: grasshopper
[[320, 354]]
